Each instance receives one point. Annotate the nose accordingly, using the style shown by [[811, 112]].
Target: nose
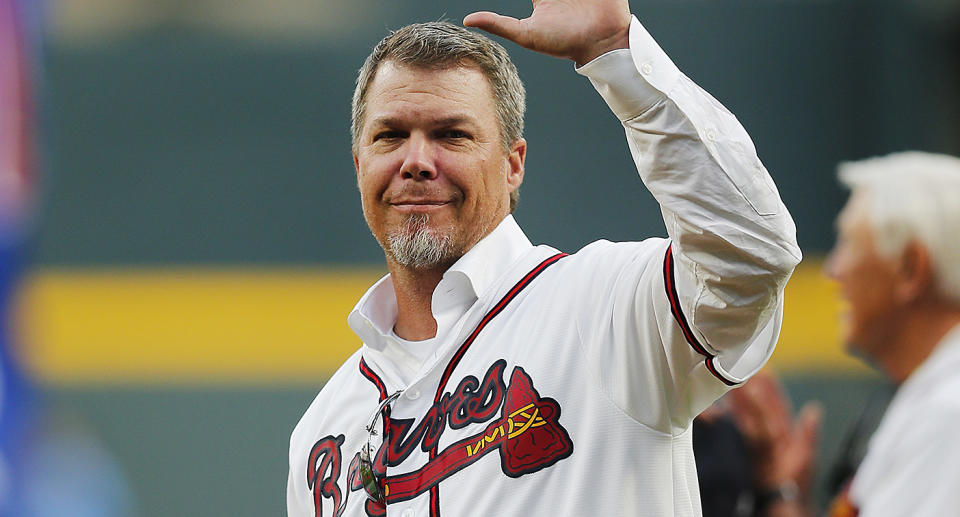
[[830, 265], [418, 163]]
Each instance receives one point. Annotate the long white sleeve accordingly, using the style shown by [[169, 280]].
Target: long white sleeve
[[733, 241]]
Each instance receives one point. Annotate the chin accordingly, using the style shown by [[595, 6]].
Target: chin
[[419, 245], [852, 349], [863, 347]]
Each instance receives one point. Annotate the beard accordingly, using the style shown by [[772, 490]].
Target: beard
[[417, 246]]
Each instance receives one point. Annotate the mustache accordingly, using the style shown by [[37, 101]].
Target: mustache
[[422, 192]]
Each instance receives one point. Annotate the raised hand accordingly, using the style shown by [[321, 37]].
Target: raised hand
[[576, 29]]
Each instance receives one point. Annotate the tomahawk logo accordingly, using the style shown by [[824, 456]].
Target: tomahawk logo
[[521, 425]]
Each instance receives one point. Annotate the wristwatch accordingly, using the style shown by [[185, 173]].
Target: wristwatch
[[787, 491]]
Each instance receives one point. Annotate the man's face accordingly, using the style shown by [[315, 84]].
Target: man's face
[[866, 282], [433, 175]]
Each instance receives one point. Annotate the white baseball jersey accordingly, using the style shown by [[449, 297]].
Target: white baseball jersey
[[566, 385], [912, 466]]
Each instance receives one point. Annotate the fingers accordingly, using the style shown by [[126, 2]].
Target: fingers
[[806, 437], [760, 408], [503, 26], [746, 410], [808, 423], [711, 413]]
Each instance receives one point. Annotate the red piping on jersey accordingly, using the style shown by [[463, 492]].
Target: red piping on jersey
[[435, 501], [507, 298], [670, 286], [374, 378], [497, 309]]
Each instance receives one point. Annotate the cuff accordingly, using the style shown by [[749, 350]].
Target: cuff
[[635, 79]]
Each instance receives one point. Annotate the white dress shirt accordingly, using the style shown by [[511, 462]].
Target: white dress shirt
[[912, 466]]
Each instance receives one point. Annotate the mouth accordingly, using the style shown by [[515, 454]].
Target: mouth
[[418, 206]]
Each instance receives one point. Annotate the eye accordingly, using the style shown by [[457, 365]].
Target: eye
[[387, 135], [454, 134]]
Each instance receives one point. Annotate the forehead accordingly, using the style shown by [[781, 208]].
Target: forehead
[[853, 223], [855, 211], [409, 91]]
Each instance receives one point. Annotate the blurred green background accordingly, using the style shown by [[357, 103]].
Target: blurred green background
[[200, 241]]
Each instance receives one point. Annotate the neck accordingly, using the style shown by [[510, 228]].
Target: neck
[[414, 291], [914, 340]]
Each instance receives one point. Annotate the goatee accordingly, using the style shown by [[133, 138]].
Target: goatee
[[415, 245]]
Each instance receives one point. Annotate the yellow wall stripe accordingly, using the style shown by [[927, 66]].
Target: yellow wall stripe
[[239, 325], [811, 334], [197, 326]]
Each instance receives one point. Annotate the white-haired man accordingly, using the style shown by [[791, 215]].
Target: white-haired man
[[897, 260], [502, 378]]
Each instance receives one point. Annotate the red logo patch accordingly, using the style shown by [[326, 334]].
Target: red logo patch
[[536, 440]]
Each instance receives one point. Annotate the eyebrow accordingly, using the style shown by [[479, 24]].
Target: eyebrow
[[453, 120]]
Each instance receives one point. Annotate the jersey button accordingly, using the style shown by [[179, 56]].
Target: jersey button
[[413, 395], [407, 513]]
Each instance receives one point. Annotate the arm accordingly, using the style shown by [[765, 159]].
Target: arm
[[733, 241]]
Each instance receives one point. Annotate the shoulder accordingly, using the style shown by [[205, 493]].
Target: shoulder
[[929, 397], [941, 406], [911, 464], [922, 421], [343, 379], [602, 264], [946, 392], [605, 257], [608, 282], [629, 250]]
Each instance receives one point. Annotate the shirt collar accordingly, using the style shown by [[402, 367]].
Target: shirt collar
[[468, 278], [490, 258], [939, 365]]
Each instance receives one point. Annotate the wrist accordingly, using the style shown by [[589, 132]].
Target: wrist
[[783, 492], [620, 41]]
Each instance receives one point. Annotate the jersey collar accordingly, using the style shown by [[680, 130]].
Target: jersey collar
[[467, 280]]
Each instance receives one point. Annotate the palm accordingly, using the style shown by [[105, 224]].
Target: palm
[[576, 29], [782, 448]]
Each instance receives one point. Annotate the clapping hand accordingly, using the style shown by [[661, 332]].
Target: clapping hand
[[783, 447]]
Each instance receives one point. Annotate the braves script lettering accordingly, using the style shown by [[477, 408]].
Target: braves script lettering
[[323, 469], [523, 426]]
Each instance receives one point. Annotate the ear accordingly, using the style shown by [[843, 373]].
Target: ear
[[356, 168], [515, 162], [914, 274]]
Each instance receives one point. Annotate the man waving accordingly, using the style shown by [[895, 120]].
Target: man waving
[[501, 378]]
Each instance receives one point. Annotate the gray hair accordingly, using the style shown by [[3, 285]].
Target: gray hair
[[440, 45], [913, 196]]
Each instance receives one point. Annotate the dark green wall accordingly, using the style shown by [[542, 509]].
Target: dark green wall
[[173, 146]]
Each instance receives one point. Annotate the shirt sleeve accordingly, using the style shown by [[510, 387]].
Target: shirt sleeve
[[732, 244]]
